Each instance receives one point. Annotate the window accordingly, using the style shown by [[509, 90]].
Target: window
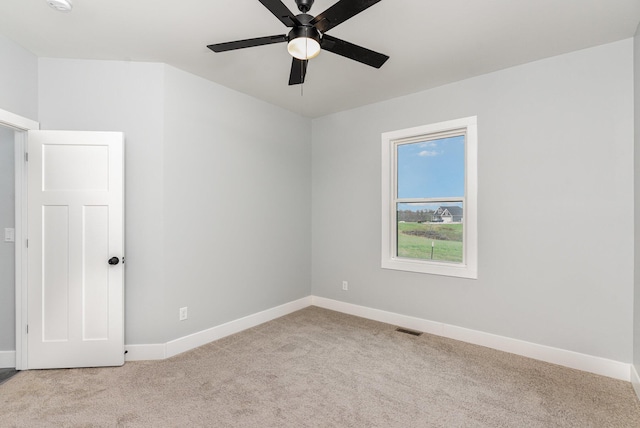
[[429, 199]]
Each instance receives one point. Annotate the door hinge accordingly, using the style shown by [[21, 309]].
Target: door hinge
[[26, 157], [27, 328], [27, 243]]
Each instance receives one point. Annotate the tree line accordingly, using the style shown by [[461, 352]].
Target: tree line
[[416, 216]]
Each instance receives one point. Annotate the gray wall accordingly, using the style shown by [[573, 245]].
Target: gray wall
[[7, 249], [555, 203], [236, 204], [636, 317], [18, 79], [199, 180]]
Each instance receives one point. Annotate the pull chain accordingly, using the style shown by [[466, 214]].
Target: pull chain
[[303, 70]]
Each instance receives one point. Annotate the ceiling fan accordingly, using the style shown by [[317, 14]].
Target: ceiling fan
[[308, 35]]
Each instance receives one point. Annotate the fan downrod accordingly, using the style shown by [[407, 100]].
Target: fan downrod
[[304, 6]]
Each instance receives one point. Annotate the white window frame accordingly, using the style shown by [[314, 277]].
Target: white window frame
[[390, 140]]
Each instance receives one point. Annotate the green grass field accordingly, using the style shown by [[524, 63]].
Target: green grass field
[[414, 241]]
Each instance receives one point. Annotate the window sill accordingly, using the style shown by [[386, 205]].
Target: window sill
[[434, 268]]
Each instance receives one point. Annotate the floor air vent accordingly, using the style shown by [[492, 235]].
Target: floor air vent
[[407, 331]]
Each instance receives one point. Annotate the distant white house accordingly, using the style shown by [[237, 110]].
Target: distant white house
[[448, 214]]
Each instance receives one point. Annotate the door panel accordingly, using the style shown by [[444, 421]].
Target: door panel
[[75, 223], [95, 281], [55, 273], [75, 167]]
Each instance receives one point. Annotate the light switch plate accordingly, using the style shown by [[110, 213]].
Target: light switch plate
[[9, 234]]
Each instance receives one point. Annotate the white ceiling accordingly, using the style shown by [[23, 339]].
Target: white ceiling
[[430, 42]]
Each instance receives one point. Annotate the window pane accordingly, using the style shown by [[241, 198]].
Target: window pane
[[430, 231], [431, 169]]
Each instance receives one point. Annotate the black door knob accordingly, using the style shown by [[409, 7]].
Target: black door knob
[[114, 261]]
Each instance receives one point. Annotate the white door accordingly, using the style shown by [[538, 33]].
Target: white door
[[75, 237]]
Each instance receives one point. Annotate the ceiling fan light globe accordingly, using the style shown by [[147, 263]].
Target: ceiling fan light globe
[[303, 48]]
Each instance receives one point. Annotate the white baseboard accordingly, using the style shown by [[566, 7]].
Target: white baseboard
[[192, 341], [562, 357], [186, 343], [635, 380], [7, 359], [145, 352]]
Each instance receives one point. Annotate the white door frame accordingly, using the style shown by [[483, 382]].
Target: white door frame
[[20, 125]]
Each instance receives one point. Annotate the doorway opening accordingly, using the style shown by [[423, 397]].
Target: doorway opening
[[14, 128], [7, 251]]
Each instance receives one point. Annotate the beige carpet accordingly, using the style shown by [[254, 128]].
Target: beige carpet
[[317, 368]]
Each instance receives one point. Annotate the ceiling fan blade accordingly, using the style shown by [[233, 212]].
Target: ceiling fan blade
[[340, 12], [298, 71], [247, 43], [281, 12], [351, 51]]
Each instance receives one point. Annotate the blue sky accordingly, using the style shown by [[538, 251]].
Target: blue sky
[[431, 169]]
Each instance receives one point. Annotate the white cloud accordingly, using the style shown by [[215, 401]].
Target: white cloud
[[429, 144], [428, 153]]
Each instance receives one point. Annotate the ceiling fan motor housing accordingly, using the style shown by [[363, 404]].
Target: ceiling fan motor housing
[[306, 30], [304, 6]]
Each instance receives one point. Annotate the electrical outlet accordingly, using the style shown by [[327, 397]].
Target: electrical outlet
[[183, 313], [345, 285]]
